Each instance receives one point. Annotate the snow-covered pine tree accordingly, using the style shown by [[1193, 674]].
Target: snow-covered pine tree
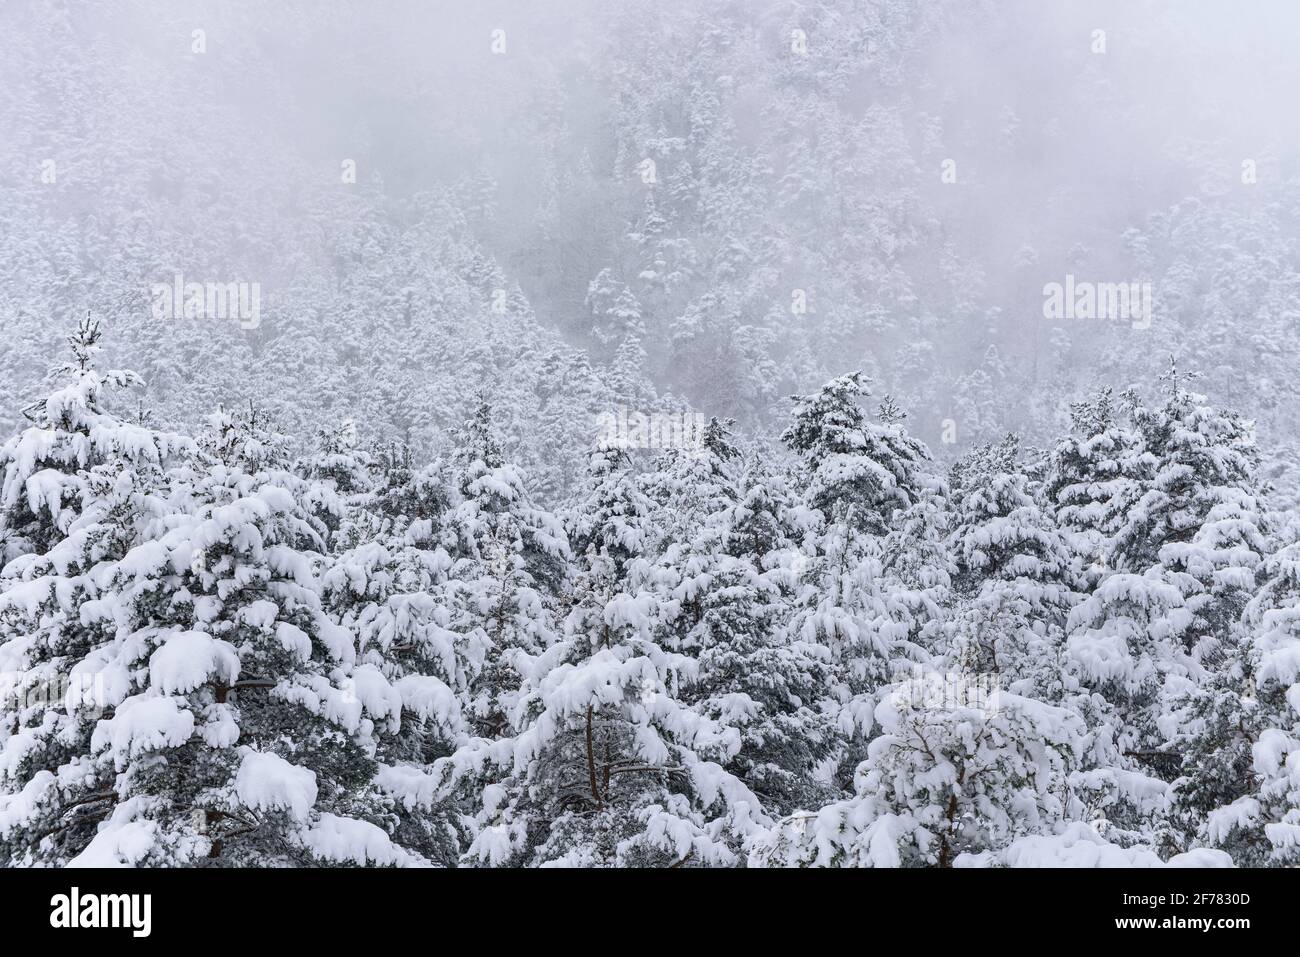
[[1015, 576], [841, 603], [690, 486], [920, 569], [339, 459], [1089, 481], [494, 509], [1193, 457], [238, 727], [1212, 715], [861, 475], [1210, 729], [81, 489], [755, 676], [615, 312], [341, 466], [392, 594], [626, 373], [858, 472], [607, 766], [730, 613], [226, 644], [1257, 815], [404, 499], [1016, 625], [760, 524], [246, 438], [944, 783], [1161, 640], [509, 560], [1199, 519], [690, 491], [225, 612], [71, 432]]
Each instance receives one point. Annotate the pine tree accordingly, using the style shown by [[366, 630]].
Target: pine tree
[[246, 438], [71, 433], [1127, 641], [729, 612], [82, 488], [858, 472], [1014, 576], [754, 676], [759, 525], [607, 766], [691, 486], [1252, 747], [227, 646], [237, 727], [403, 500], [510, 558], [920, 569], [1194, 458], [494, 509], [393, 595], [616, 314], [944, 779], [1166, 649], [1089, 481], [1213, 715], [342, 468]]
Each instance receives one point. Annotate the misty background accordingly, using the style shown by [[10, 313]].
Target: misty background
[[501, 237]]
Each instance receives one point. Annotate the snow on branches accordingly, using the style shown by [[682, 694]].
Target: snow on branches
[[833, 656]]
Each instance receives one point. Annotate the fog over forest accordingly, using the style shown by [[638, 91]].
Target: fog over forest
[[913, 181]]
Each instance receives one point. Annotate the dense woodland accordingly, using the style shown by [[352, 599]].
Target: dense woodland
[[499, 231], [216, 654], [949, 580]]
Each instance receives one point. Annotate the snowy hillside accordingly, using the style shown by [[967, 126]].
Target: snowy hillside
[[618, 435]]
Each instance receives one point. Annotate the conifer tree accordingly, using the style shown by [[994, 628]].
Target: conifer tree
[[755, 676], [607, 765], [1252, 743], [72, 432], [342, 468], [943, 780], [215, 713], [858, 471], [692, 485], [82, 488], [404, 499], [392, 594], [1194, 458], [1090, 480], [616, 314], [759, 525], [221, 644], [1014, 576], [510, 557]]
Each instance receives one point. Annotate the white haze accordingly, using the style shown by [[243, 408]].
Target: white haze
[[225, 165]]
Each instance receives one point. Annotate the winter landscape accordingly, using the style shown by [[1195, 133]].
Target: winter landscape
[[834, 433]]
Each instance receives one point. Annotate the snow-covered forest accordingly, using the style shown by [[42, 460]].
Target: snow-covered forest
[[840, 433]]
